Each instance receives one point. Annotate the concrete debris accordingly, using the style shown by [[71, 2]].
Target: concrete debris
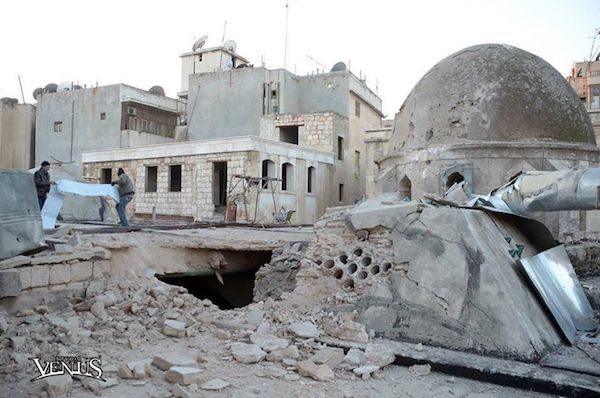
[[268, 342], [179, 391], [365, 371], [58, 386], [215, 385], [183, 375], [290, 352], [420, 370], [378, 354], [279, 276], [305, 330], [247, 353], [167, 360], [174, 328], [291, 377], [345, 329], [331, 357], [98, 310], [354, 357], [271, 372], [308, 368]]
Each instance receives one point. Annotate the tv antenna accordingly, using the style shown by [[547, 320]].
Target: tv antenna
[[287, 19], [595, 51], [316, 62]]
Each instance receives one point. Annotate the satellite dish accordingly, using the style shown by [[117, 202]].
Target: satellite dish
[[157, 90], [230, 46], [50, 88], [37, 92], [227, 64], [199, 43], [339, 67]]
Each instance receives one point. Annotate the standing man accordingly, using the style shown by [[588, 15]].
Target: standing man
[[43, 182], [126, 193]]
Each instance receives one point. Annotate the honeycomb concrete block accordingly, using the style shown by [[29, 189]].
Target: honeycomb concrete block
[[60, 273]]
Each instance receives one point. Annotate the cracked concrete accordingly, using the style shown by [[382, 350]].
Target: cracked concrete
[[451, 281]]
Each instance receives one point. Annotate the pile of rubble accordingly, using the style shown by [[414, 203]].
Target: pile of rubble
[[280, 340]]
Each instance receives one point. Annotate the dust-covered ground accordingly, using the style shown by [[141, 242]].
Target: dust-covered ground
[[255, 351]]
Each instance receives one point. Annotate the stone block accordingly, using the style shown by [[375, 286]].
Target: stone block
[[318, 372], [101, 269], [60, 273], [10, 283], [40, 275], [81, 271], [331, 357], [167, 360], [183, 375], [16, 261], [58, 386], [25, 275]]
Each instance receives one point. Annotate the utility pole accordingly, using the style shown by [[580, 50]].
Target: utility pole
[[287, 15]]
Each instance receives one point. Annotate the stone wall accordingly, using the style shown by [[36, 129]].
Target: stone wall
[[315, 130], [72, 271], [195, 199]]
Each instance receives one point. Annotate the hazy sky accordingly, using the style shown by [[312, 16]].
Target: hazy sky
[[393, 42]]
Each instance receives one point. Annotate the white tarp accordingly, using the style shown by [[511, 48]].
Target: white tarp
[[57, 193]]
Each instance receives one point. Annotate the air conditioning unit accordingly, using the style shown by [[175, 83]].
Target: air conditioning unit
[[131, 111]]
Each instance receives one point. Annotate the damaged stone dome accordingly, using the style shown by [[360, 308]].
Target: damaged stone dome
[[495, 93]]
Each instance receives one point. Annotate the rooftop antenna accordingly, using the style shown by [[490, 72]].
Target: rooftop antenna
[[21, 85], [316, 62], [592, 50], [287, 15], [222, 46]]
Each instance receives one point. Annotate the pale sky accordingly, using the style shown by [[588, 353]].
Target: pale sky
[[393, 42]]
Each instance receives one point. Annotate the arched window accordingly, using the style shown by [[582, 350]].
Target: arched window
[[405, 188], [310, 174], [454, 178], [268, 171], [287, 177]]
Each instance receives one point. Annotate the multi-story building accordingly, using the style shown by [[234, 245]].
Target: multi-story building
[[585, 80], [304, 133], [116, 116], [17, 134]]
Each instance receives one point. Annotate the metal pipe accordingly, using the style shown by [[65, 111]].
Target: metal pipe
[[536, 191]]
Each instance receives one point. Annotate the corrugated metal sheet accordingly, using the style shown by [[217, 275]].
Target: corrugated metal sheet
[[20, 220]]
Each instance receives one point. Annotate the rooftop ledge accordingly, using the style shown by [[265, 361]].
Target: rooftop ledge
[[204, 147]]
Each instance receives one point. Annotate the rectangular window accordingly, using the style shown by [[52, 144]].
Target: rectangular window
[[103, 116], [356, 163], [144, 126], [595, 98], [288, 134], [151, 178], [357, 108], [58, 127], [341, 192], [175, 178], [311, 178], [106, 176], [340, 148]]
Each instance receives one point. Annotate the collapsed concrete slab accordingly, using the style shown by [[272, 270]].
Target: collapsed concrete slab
[[442, 276]]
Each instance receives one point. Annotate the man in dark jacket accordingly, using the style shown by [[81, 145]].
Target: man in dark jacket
[[125, 193], [43, 182]]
